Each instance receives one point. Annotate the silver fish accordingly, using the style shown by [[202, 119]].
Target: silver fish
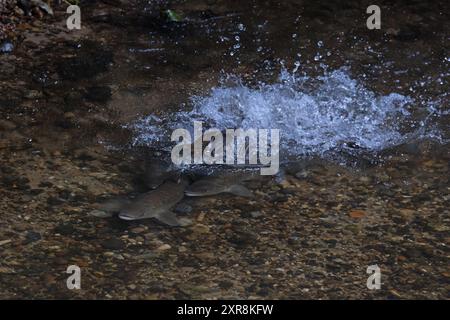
[[214, 185], [157, 204]]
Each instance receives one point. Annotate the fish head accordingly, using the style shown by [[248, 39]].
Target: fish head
[[132, 213]]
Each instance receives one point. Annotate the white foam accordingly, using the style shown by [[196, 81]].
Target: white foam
[[315, 116]]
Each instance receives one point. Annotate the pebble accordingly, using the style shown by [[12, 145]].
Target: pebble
[[357, 214], [301, 174], [100, 214], [113, 244], [284, 184], [164, 247], [148, 236], [279, 198], [6, 270], [256, 214], [146, 256], [200, 228], [64, 229], [138, 230], [3, 242], [201, 216], [69, 115], [243, 238]]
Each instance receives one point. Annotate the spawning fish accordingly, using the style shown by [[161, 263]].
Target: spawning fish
[[220, 184], [157, 204]]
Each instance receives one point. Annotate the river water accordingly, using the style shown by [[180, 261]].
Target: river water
[[364, 130]]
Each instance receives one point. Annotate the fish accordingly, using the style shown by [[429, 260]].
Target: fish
[[158, 204], [213, 185]]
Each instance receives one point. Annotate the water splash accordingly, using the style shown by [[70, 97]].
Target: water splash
[[317, 116]]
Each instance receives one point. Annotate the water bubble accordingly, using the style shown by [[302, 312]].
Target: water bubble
[[297, 65], [6, 47], [334, 111]]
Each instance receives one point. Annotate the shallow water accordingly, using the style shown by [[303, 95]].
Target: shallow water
[[82, 113], [314, 116]]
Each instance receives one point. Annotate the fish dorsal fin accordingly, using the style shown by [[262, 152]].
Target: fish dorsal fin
[[171, 219], [240, 190]]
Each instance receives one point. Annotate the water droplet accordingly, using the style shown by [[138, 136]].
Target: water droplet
[[336, 109]]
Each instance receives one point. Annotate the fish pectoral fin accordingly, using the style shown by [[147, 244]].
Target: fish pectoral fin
[[240, 190], [171, 219]]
